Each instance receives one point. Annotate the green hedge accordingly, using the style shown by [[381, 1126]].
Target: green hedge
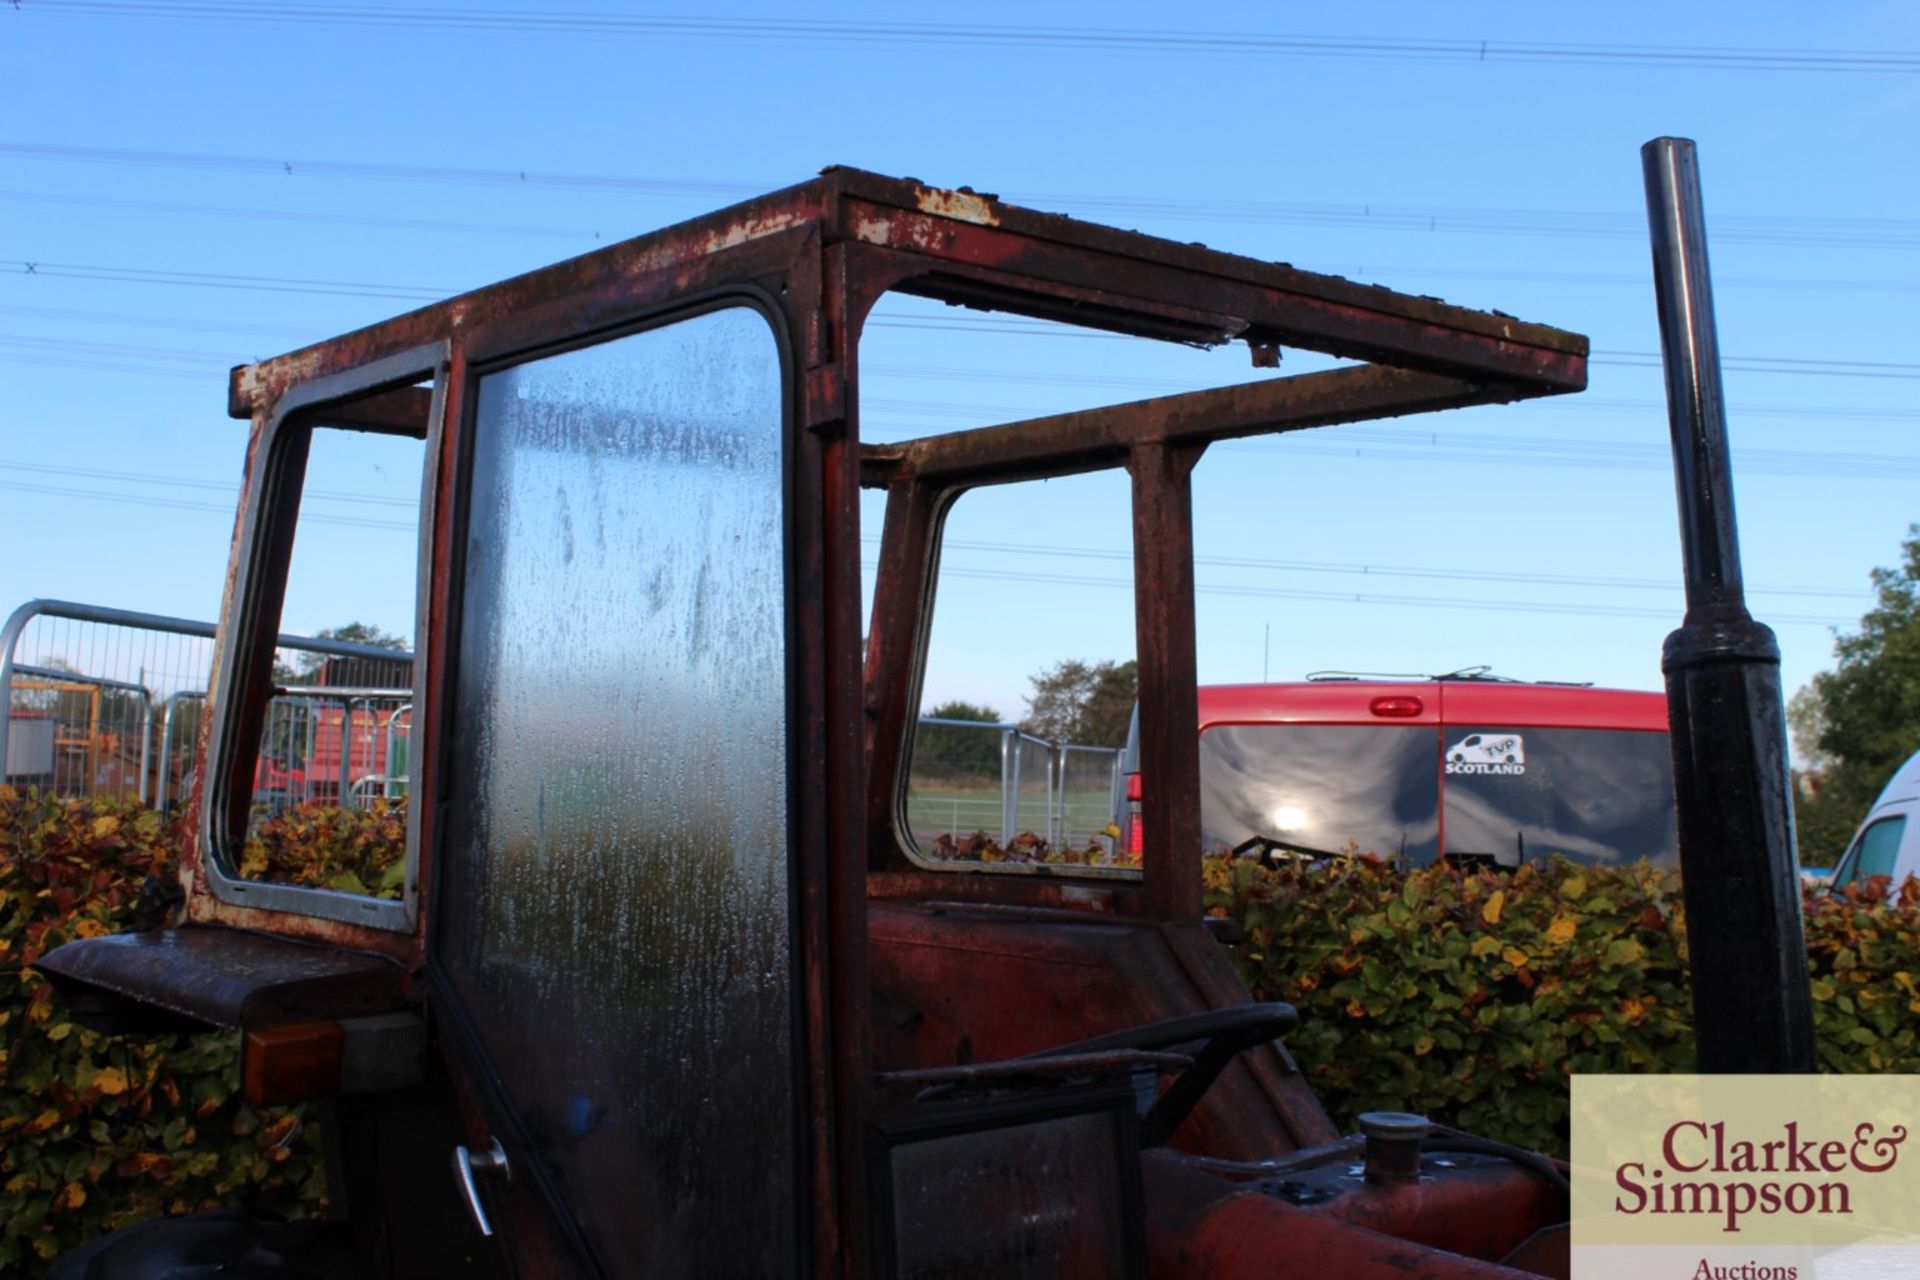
[[97, 1132], [1467, 995], [1471, 995]]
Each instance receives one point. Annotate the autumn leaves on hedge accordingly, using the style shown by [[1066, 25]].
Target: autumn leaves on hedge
[[1472, 995], [1467, 995], [96, 1131]]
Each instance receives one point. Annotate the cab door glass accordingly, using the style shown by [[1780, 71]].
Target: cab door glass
[[615, 915], [1875, 853], [1592, 795]]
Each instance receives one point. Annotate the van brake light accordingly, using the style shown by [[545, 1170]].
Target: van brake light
[[1399, 706], [1133, 834]]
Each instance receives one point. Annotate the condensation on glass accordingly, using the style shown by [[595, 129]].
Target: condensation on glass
[[616, 906], [1316, 790], [1015, 762], [333, 737]]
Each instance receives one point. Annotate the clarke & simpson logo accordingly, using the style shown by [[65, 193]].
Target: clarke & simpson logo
[[1792, 1173], [1744, 1177]]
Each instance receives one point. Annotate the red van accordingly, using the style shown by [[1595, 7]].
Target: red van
[[1470, 768]]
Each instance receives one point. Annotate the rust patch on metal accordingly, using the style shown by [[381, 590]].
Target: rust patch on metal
[[205, 909], [965, 205]]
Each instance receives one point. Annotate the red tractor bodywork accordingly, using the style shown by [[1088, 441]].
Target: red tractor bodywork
[[1008, 1028]]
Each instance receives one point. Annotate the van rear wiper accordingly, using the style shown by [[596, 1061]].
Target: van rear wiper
[[1271, 850]]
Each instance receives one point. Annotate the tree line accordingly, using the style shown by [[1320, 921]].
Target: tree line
[[1088, 704], [1854, 725]]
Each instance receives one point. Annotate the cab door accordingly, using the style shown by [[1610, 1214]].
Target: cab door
[[613, 937]]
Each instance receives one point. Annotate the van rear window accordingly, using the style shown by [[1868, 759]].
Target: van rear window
[[1321, 789], [1591, 795]]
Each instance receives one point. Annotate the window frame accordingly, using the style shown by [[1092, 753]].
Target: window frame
[[464, 1036], [904, 843], [262, 558]]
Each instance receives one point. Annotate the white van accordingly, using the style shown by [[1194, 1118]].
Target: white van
[[1888, 842]]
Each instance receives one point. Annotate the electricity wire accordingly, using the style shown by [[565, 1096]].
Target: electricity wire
[[1585, 581], [1756, 229], [1047, 39], [1801, 366]]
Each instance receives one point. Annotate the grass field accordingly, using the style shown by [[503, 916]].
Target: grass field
[[934, 809]]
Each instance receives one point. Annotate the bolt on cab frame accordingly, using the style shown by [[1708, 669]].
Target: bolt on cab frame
[[671, 1035]]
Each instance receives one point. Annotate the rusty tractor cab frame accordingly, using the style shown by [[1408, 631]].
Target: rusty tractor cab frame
[[1082, 988]]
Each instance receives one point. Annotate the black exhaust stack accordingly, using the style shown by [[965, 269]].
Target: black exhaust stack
[[1752, 1010]]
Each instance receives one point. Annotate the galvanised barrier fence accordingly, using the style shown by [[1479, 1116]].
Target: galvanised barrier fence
[[972, 775], [108, 703]]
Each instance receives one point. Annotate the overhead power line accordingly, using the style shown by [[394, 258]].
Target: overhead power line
[[1479, 448], [1352, 568], [1628, 224], [975, 375], [959, 322], [232, 491], [437, 226], [584, 237], [1362, 597], [188, 504], [1076, 39], [215, 280], [880, 371], [1631, 359], [106, 366], [178, 324]]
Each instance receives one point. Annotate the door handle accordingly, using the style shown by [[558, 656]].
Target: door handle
[[466, 1163]]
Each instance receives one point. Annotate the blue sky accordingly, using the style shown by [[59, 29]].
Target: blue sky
[[200, 184]]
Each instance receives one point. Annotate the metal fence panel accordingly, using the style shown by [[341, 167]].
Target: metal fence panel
[[957, 780], [107, 703], [972, 777], [1089, 795], [1029, 796]]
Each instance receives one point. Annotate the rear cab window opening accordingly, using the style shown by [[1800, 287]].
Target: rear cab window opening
[[1032, 572], [1014, 761]]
